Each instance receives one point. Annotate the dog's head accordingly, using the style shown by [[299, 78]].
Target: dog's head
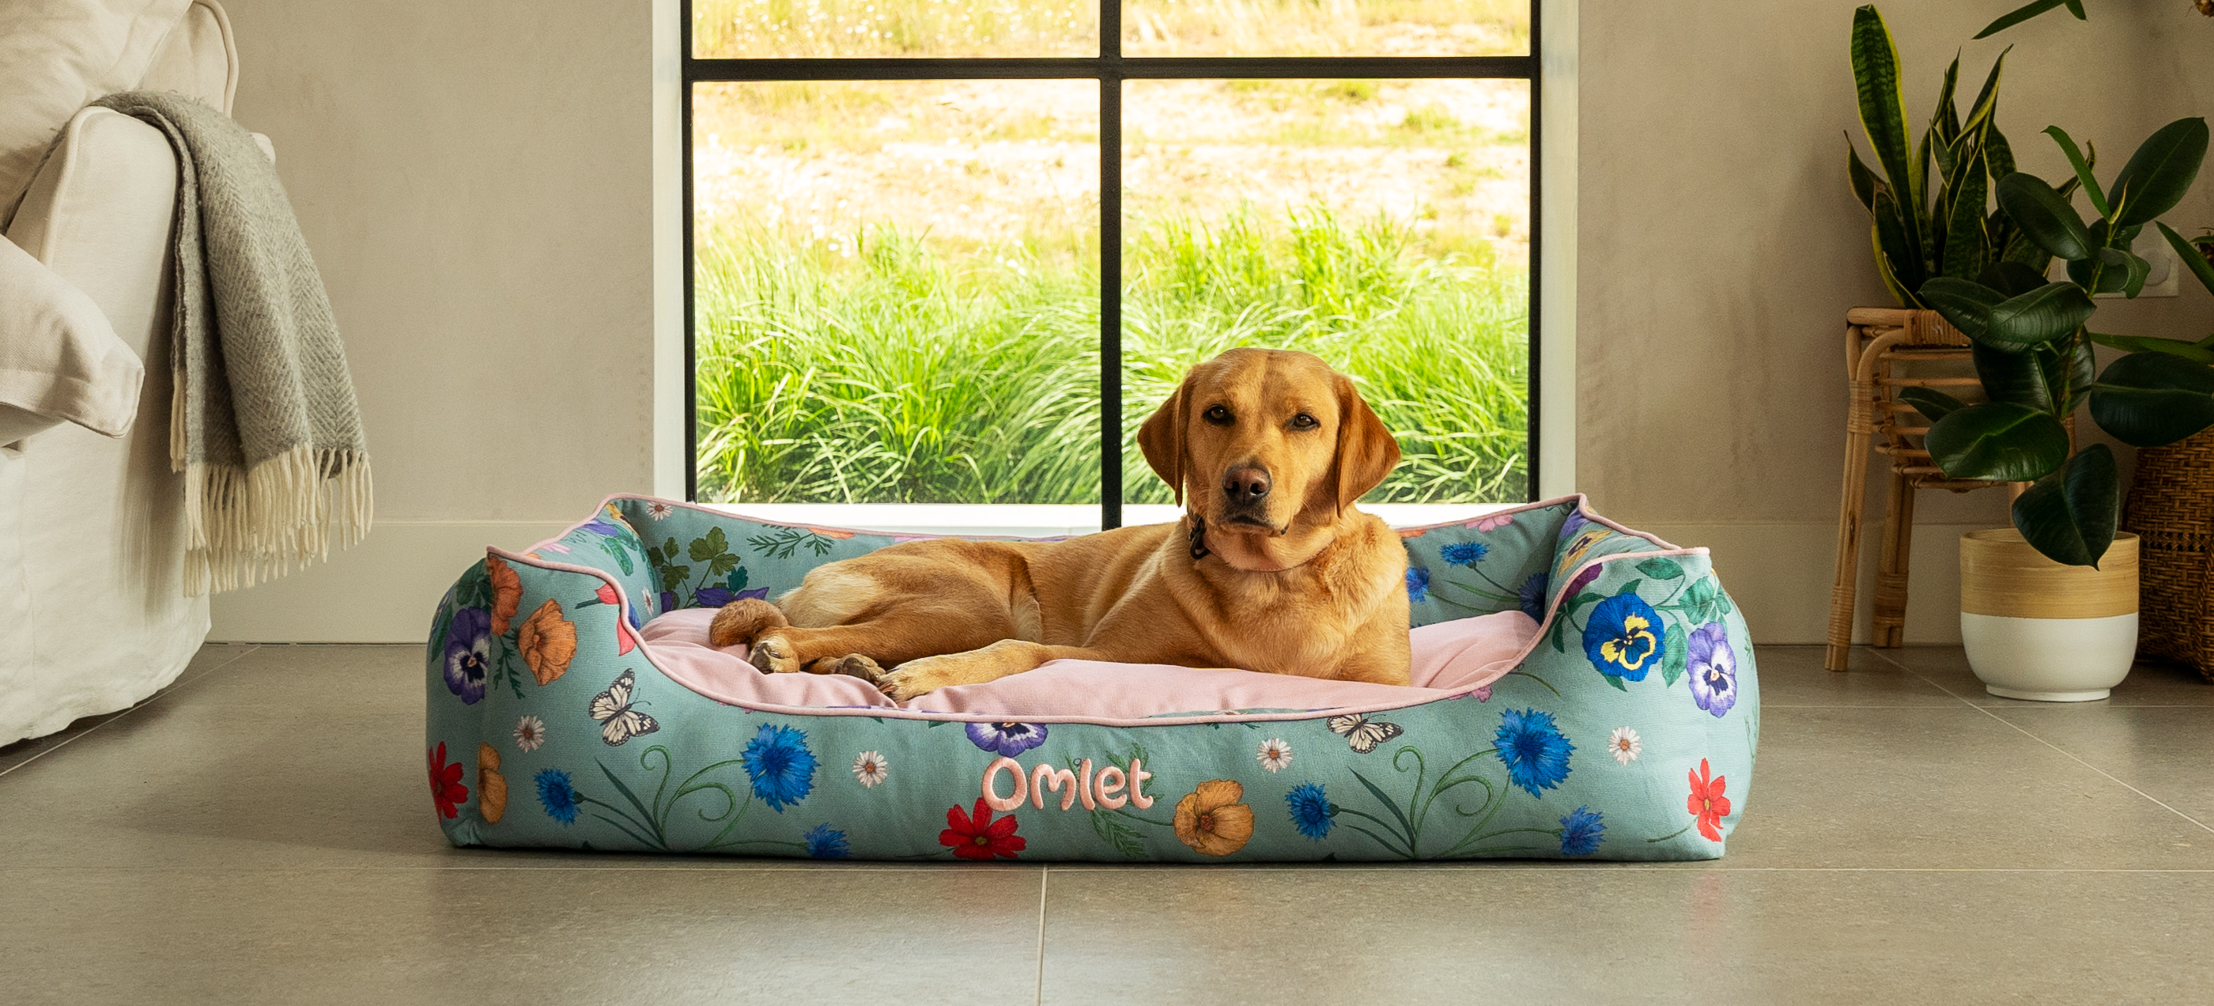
[[1271, 447]]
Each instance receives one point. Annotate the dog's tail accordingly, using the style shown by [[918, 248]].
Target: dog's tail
[[743, 621]]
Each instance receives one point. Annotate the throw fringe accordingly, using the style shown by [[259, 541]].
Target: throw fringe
[[245, 526]]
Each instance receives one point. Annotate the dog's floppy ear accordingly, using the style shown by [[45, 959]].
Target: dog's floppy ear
[[1162, 438], [1366, 451]]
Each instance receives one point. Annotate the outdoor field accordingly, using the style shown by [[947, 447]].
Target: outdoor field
[[897, 285]]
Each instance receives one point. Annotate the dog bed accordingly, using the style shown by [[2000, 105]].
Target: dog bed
[[1581, 691]]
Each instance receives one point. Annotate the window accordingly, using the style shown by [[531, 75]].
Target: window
[[955, 251]]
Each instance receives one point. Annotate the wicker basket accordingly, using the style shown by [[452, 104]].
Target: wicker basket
[[2171, 508]]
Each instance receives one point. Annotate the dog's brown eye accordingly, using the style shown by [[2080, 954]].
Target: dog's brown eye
[[1304, 421], [1218, 416]]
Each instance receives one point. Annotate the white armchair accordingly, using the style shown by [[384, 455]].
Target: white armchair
[[93, 614]]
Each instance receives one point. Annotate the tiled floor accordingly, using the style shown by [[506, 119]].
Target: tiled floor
[[257, 834]]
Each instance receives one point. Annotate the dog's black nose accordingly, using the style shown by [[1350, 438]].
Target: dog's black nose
[[1245, 484]]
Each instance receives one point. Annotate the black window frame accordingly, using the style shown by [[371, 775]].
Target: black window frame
[[1110, 68]]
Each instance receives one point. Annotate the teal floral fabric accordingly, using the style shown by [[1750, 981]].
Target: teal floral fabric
[[1626, 734]]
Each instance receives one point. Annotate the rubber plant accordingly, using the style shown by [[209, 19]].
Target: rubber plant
[[1918, 232], [2033, 351]]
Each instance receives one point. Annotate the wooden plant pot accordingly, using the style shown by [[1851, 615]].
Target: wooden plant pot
[[2035, 629]]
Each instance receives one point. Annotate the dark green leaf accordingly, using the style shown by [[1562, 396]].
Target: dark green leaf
[[1998, 153], [1987, 101], [2162, 170], [2076, 7], [1965, 303], [1864, 182], [1897, 241], [2012, 278], [2152, 399], [1661, 569], [1998, 441], [1883, 115], [2017, 16], [1930, 402], [2044, 216], [1615, 682], [2039, 316], [2141, 344], [1967, 245], [2108, 270], [2011, 376], [1945, 122], [2070, 515], [2134, 274], [2192, 260], [2083, 168]]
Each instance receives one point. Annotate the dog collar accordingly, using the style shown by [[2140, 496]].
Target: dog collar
[[1198, 536]]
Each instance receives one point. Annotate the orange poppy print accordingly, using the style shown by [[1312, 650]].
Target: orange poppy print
[[1212, 821], [548, 642]]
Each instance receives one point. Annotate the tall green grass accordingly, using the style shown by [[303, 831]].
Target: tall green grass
[[900, 374]]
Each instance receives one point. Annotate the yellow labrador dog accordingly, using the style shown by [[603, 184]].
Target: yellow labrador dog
[[1271, 568]]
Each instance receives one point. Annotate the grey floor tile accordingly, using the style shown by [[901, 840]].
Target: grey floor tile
[[505, 936], [1288, 938], [2163, 751], [208, 658], [2150, 683], [1941, 787], [1794, 676]]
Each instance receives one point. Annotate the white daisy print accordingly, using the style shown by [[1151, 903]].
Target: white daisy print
[[1274, 754], [1624, 745], [870, 768], [659, 510], [530, 731]]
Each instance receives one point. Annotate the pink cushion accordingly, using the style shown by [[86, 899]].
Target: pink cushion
[[1450, 658]]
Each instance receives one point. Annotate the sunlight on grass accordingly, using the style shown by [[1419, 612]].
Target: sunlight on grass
[[897, 374]]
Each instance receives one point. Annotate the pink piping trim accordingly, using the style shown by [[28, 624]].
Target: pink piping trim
[[645, 652]]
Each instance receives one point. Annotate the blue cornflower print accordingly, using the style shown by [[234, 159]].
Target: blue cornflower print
[[782, 769], [1581, 832], [1623, 638], [1418, 584], [1533, 749], [824, 843], [1007, 739], [1311, 811], [557, 795], [1466, 553], [1532, 595]]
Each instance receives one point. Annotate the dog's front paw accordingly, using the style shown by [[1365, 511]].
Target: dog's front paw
[[852, 665], [917, 678], [774, 654]]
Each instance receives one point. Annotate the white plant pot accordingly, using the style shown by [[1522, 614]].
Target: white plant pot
[[2035, 629]]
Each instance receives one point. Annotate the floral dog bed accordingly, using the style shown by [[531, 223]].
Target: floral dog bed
[[1581, 691]]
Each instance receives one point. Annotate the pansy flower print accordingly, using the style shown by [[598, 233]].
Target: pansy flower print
[[1007, 739], [1713, 667], [468, 654], [1623, 637]]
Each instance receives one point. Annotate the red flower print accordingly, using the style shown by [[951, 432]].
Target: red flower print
[[1707, 802], [977, 836], [445, 780]]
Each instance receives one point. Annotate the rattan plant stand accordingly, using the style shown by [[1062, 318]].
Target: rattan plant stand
[[2171, 508], [1877, 341]]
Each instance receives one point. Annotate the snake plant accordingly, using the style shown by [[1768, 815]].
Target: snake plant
[[2033, 350], [1919, 232]]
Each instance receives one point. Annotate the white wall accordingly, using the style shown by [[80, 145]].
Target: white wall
[[1720, 247], [477, 181]]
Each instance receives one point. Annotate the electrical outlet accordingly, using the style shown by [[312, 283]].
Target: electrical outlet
[[2160, 280]]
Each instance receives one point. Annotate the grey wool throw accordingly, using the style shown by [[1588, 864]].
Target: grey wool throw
[[263, 421]]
